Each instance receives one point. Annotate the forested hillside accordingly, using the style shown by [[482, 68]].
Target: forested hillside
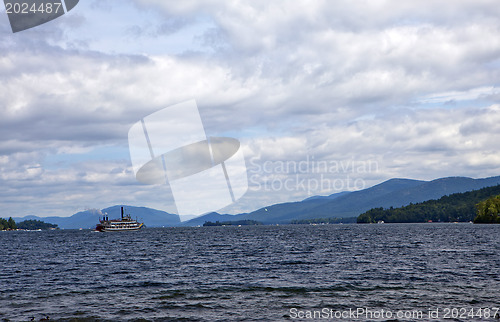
[[455, 207]]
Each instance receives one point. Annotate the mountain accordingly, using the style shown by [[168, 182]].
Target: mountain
[[89, 218], [330, 197], [342, 205], [451, 208], [285, 208], [391, 193]]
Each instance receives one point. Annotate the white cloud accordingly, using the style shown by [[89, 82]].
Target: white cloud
[[334, 81]]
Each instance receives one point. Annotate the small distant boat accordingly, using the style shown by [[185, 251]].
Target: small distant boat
[[126, 223]]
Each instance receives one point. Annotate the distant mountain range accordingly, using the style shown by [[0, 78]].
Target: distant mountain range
[[391, 193], [89, 218]]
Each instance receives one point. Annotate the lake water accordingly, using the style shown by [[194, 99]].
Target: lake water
[[398, 272]]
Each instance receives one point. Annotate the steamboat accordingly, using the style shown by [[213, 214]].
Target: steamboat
[[126, 223]]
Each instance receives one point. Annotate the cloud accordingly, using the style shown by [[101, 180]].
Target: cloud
[[412, 87], [439, 137]]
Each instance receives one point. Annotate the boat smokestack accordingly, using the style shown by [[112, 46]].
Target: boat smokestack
[[122, 213]]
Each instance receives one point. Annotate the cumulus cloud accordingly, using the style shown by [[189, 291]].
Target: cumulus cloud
[[411, 86]]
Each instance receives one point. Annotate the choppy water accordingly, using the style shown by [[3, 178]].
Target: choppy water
[[251, 273]]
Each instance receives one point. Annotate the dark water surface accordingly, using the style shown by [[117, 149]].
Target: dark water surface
[[268, 273]]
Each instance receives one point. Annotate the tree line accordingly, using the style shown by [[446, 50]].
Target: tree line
[[232, 223], [330, 220], [459, 207], [488, 211], [10, 224]]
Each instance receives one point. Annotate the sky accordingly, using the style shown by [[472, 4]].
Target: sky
[[324, 96]]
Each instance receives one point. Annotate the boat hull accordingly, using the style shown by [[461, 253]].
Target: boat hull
[[104, 228]]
